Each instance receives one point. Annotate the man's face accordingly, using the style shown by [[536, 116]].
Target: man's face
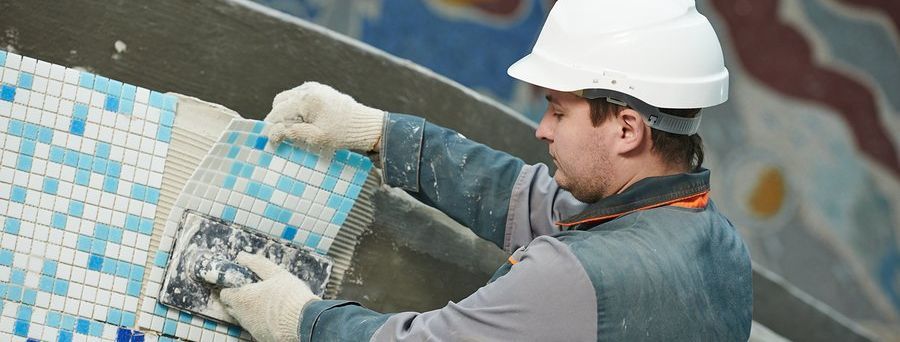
[[579, 150]]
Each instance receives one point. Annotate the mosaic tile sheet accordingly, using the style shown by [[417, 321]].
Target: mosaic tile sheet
[[296, 193], [81, 162]]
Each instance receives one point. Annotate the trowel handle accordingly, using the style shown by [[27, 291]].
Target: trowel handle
[[221, 272]]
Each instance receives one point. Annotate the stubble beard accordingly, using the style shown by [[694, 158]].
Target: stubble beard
[[587, 185]]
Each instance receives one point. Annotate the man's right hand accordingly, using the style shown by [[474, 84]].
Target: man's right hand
[[320, 115]]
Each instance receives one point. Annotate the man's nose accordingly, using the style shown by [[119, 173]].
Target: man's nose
[[545, 128]]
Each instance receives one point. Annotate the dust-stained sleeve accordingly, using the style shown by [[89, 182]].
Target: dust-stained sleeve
[[545, 296], [493, 193]]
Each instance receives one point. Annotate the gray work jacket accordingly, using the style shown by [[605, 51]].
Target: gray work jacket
[[656, 262]]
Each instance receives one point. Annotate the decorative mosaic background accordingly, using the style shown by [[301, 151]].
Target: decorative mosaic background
[[80, 173]]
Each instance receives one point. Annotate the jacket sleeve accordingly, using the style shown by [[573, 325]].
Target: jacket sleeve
[[526, 304], [493, 193]]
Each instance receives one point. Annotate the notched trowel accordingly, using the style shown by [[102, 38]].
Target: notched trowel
[[202, 263]]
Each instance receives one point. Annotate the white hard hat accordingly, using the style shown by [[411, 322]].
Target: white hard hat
[[649, 54]]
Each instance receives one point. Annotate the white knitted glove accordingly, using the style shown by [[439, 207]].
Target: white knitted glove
[[270, 309], [320, 115]]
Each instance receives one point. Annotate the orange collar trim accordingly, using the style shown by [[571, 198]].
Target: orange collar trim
[[696, 201]]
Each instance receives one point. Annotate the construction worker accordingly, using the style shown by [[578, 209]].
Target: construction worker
[[621, 243]]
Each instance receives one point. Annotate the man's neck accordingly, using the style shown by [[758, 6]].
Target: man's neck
[[636, 170]]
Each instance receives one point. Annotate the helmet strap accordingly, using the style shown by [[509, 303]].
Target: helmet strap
[[652, 116]]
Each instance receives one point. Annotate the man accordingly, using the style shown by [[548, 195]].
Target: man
[[621, 243]]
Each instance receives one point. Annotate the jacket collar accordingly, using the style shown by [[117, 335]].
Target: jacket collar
[[685, 190]]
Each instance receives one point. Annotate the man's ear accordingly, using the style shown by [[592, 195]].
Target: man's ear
[[632, 131]]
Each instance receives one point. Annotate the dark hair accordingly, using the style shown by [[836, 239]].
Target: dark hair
[[676, 149]]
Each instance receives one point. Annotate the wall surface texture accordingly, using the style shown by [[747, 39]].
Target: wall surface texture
[[804, 155]]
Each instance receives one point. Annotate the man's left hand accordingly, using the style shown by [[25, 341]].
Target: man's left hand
[[270, 309]]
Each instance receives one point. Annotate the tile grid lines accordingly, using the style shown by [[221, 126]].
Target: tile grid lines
[[242, 176], [82, 135]]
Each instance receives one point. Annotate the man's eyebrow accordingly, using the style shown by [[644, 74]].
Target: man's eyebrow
[[550, 99]]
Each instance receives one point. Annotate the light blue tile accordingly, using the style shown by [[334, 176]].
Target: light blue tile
[[6, 257], [137, 273], [114, 316], [169, 327], [101, 232], [49, 268], [82, 177], [169, 102], [45, 135], [31, 131], [53, 319], [329, 183], [229, 213], [76, 208], [68, 322], [80, 111], [114, 169], [57, 154], [133, 289], [152, 195], [24, 163], [110, 184], [347, 205], [99, 165], [101, 84], [96, 329], [313, 240], [272, 212], [115, 88], [115, 235], [233, 152], [86, 80], [2, 58], [12, 225], [24, 312], [146, 227], [17, 276], [46, 284], [265, 159], [25, 80], [17, 194], [132, 222], [26, 147], [29, 296], [58, 220], [102, 150], [284, 184], [138, 192], [166, 118], [61, 287], [298, 189], [160, 310], [128, 91], [229, 182], [84, 243], [161, 259], [15, 128], [334, 201], [164, 134], [258, 127]]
